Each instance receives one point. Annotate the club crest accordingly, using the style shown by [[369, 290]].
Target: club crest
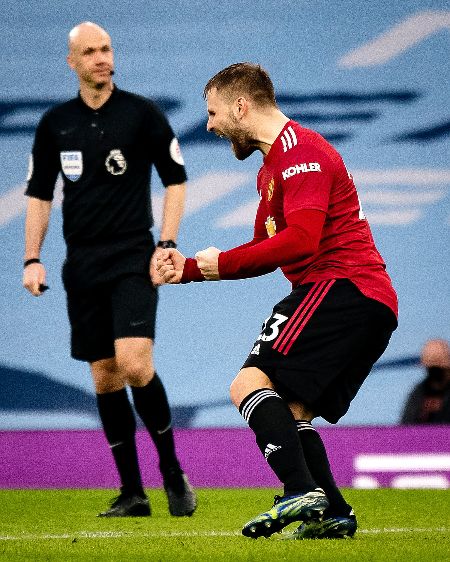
[[72, 164], [271, 227]]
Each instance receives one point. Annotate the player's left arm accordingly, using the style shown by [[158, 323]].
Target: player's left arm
[[205, 266], [299, 240]]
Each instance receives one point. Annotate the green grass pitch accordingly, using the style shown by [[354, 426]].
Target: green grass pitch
[[394, 525]]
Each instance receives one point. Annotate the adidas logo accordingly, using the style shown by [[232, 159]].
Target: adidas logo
[[271, 449], [255, 350]]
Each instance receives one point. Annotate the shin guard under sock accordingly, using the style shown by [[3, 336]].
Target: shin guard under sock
[[276, 435], [319, 466]]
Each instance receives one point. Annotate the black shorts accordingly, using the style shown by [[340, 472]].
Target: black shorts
[[320, 343], [123, 308]]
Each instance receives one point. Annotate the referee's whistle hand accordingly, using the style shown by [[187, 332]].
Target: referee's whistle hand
[[34, 278]]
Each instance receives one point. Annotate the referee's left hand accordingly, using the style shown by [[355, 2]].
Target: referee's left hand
[[170, 266], [156, 278]]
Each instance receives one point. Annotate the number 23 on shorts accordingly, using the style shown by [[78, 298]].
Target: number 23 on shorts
[[273, 324]]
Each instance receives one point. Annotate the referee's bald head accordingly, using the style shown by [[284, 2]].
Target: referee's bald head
[[84, 32]]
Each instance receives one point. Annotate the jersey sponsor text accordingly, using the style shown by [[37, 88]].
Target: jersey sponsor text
[[300, 169]]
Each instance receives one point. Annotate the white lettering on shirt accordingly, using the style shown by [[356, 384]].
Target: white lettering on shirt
[[300, 169]]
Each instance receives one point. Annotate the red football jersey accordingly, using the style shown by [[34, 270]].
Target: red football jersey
[[302, 171]]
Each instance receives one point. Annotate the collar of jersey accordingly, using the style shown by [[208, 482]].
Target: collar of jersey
[[273, 152], [113, 95]]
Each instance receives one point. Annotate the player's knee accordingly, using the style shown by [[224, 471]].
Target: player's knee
[[238, 390], [247, 381], [234, 394]]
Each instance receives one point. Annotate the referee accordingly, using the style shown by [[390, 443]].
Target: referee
[[104, 142]]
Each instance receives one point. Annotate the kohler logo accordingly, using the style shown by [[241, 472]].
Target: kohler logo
[[300, 169]]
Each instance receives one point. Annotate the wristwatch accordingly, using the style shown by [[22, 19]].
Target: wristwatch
[[166, 244]]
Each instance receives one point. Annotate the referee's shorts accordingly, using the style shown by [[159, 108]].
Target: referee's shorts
[[122, 308], [320, 343]]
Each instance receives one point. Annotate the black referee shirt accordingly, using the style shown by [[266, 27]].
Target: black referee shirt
[[105, 158]]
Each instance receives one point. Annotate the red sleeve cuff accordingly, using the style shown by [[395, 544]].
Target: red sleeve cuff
[[191, 272]]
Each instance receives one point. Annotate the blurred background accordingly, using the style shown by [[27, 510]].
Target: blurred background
[[371, 77]]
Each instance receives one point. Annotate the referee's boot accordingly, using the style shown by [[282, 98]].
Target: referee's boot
[[332, 527], [180, 494], [128, 505], [286, 510]]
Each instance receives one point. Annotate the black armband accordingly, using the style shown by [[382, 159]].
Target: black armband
[[166, 244], [26, 263]]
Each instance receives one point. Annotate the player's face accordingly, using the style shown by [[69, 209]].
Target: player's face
[[223, 122], [91, 57]]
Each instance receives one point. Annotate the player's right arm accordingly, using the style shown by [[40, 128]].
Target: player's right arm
[[36, 225], [44, 168], [189, 266]]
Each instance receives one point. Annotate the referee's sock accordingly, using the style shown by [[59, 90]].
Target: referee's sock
[[319, 466], [276, 435], [119, 426], [153, 408]]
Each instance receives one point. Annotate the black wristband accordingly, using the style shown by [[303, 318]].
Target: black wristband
[[166, 244], [26, 263]]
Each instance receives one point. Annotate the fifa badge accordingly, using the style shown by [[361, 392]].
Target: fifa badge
[[71, 164]]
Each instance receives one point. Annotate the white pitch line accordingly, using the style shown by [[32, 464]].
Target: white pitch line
[[186, 534], [404, 530], [119, 535]]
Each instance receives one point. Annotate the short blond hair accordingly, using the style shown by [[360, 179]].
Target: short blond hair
[[243, 78]]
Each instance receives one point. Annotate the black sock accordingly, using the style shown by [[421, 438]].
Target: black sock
[[153, 408], [119, 426], [319, 466], [276, 435]]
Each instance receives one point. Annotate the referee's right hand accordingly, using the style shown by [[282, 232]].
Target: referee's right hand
[[34, 278]]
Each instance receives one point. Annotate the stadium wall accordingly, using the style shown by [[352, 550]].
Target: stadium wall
[[361, 457]]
